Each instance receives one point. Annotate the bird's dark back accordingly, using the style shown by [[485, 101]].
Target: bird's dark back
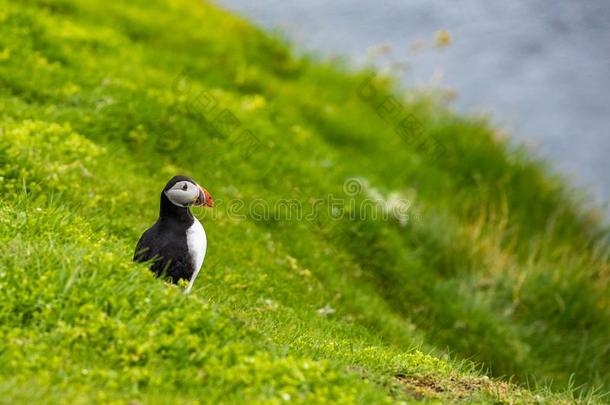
[[165, 244]]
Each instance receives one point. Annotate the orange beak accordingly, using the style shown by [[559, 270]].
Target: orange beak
[[204, 199]]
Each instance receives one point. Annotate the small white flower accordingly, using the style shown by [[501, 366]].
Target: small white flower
[[325, 311]]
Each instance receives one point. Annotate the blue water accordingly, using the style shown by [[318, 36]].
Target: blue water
[[540, 67]]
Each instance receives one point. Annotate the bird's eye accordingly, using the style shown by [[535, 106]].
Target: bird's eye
[[185, 187]]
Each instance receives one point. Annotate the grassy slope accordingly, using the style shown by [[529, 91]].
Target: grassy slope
[[498, 265]]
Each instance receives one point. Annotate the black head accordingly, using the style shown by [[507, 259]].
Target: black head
[[182, 192]]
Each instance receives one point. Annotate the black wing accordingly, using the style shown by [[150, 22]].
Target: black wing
[[144, 250], [168, 252]]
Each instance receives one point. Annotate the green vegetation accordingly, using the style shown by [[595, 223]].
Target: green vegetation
[[102, 102]]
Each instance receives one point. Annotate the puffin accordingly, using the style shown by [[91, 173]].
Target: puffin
[[176, 244]]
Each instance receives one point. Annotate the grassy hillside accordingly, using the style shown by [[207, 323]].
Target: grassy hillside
[[305, 295]]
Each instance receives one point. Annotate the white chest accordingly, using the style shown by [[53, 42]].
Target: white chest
[[197, 245]]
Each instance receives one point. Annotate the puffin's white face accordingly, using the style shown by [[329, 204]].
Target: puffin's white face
[[186, 193]]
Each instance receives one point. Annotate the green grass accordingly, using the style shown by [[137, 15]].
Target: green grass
[[499, 271]]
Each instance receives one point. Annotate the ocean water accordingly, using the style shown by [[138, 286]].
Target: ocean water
[[541, 68]]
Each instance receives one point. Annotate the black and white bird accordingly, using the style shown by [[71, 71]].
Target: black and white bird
[[176, 244]]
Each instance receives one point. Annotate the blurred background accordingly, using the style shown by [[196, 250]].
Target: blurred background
[[540, 67]]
